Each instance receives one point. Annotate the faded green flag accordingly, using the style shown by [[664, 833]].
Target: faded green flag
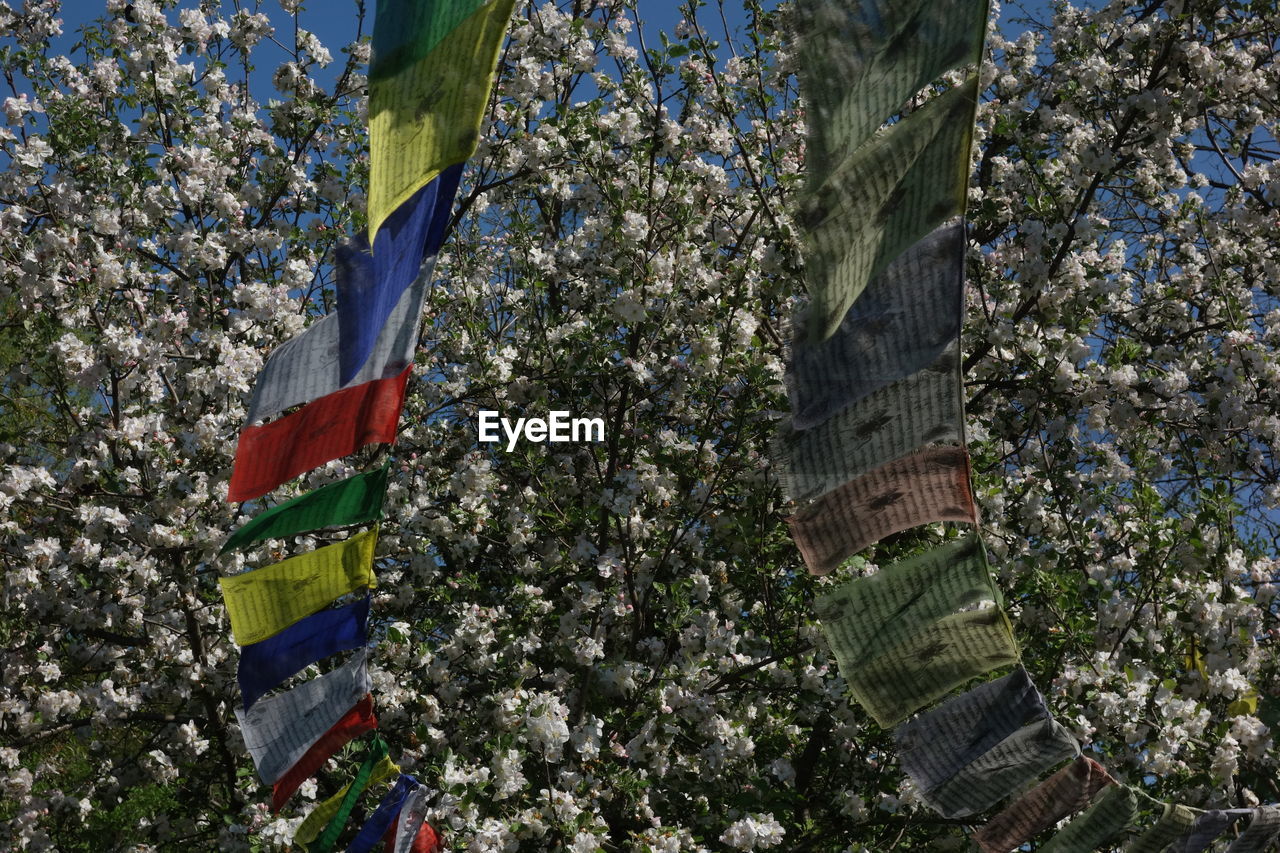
[[860, 60], [1111, 813], [897, 636], [355, 500], [881, 199], [1173, 823]]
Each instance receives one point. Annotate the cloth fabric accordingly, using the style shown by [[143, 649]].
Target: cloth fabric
[[881, 199], [426, 116], [279, 730], [938, 744], [267, 663], [350, 795], [355, 500], [1174, 822], [412, 833], [1111, 812], [308, 366], [896, 635], [389, 808], [925, 408], [351, 725], [1209, 826], [1263, 831], [405, 31], [1011, 764], [1064, 793], [325, 429], [905, 319], [371, 283], [323, 813], [263, 602], [860, 60], [930, 485]]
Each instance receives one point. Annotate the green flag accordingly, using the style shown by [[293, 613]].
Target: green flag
[[1174, 822], [355, 500], [405, 31], [883, 198], [377, 752], [860, 60], [1111, 813]]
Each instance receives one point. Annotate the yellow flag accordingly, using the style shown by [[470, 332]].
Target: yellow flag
[[427, 116], [320, 816], [265, 601]]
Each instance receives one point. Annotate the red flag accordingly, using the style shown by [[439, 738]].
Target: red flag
[[326, 428], [426, 840], [354, 723]]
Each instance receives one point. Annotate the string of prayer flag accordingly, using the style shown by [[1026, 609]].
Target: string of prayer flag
[[279, 730], [325, 429], [267, 663], [350, 726], [355, 500], [1064, 793], [927, 486]]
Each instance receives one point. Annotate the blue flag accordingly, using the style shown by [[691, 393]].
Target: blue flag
[[265, 664], [371, 283]]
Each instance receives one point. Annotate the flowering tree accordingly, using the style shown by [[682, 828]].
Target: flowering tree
[[611, 645]]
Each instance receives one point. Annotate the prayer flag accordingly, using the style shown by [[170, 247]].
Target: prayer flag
[[1261, 834], [938, 744], [322, 814], [1064, 793], [333, 426], [269, 662], [931, 485], [860, 60], [355, 500], [263, 602], [372, 282], [903, 322], [1173, 823], [1112, 811], [350, 794], [350, 726], [883, 198], [1209, 826], [426, 116], [307, 366], [925, 408], [389, 808], [412, 833], [279, 730], [405, 31], [1012, 763]]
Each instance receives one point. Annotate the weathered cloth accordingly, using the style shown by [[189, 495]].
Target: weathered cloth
[[1064, 793], [1112, 811], [908, 315], [927, 486]]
